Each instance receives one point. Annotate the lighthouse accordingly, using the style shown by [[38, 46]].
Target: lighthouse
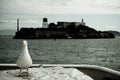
[[45, 23]]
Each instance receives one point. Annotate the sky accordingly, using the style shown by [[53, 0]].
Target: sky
[[98, 14]]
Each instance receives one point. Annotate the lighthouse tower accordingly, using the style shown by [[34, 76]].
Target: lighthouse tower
[[45, 23]]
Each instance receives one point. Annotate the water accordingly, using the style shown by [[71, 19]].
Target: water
[[102, 52]]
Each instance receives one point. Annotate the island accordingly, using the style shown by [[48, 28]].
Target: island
[[61, 30]]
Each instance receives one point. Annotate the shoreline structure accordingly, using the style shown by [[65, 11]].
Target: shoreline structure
[[61, 30]]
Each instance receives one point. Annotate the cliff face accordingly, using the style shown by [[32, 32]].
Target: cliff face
[[87, 32], [116, 33], [71, 32]]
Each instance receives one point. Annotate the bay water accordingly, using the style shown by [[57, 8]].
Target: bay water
[[101, 52]]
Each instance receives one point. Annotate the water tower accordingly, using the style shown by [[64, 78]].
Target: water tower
[[45, 23]]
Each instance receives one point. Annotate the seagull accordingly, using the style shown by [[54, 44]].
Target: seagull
[[24, 60]]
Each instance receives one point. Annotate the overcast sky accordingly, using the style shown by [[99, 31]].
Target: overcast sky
[[60, 6], [105, 12]]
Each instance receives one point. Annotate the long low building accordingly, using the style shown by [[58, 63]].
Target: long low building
[[62, 24]]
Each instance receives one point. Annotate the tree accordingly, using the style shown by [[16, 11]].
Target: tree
[[52, 25]]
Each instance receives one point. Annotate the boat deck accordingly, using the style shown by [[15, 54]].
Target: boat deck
[[96, 72]]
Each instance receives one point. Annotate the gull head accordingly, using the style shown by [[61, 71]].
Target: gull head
[[25, 43]]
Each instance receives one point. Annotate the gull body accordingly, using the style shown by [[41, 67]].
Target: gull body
[[24, 60]]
